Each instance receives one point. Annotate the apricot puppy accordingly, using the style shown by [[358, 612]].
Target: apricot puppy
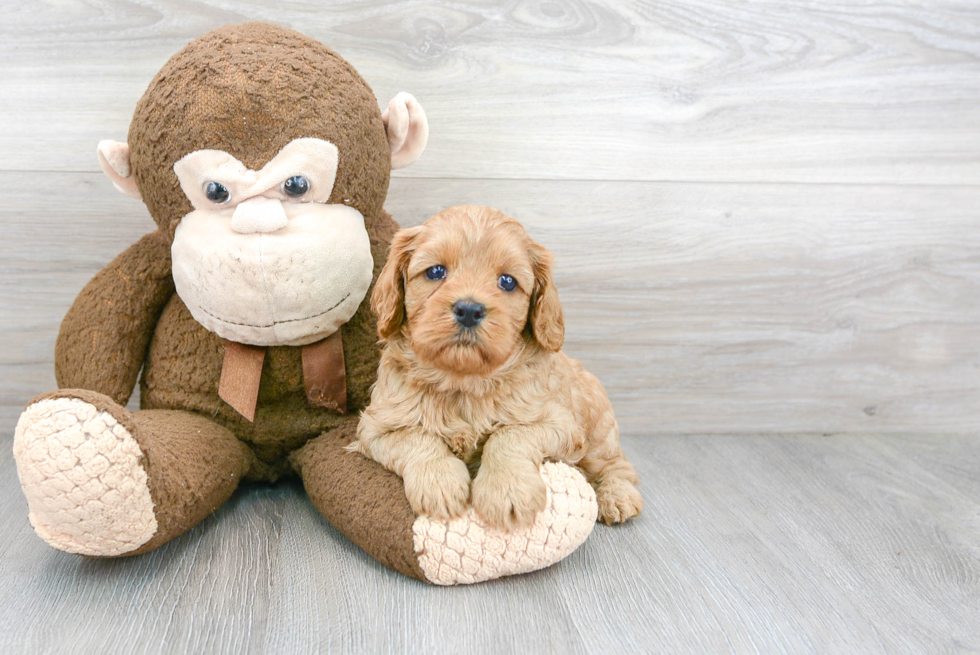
[[472, 376]]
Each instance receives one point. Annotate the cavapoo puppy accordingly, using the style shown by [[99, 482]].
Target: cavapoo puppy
[[472, 376]]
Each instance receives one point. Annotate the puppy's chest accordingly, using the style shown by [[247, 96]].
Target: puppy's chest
[[466, 424]]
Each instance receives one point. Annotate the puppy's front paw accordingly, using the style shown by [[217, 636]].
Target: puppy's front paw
[[618, 500], [439, 488], [509, 498]]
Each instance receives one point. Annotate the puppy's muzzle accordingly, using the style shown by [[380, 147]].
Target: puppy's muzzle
[[469, 313]]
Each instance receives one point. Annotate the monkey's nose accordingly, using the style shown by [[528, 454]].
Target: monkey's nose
[[258, 214], [469, 313]]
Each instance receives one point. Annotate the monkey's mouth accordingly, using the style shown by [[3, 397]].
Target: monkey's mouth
[[290, 288], [282, 322]]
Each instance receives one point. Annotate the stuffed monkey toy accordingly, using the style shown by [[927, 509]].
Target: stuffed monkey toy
[[264, 161]]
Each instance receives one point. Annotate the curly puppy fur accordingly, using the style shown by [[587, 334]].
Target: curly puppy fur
[[498, 397]]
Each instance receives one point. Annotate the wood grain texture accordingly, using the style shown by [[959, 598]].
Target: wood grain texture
[[772, 544], [734, 308], [702, 307], [561, 89], [765, 217]]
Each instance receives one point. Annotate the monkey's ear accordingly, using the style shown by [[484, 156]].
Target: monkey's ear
[[388, 297], [114, 160], [407, 127], [545, 316]]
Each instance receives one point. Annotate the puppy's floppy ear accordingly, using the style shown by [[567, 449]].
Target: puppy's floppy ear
[[388, 297], [545, 318]]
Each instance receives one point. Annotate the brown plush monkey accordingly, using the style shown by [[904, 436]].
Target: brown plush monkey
[[264, 160]]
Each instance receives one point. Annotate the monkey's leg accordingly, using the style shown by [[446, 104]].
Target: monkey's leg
[[102, 481], [367, 503]]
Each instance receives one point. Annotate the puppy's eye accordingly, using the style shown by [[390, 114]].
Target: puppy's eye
[[216, 192], [296, 186], [437, 272], [507, 283]]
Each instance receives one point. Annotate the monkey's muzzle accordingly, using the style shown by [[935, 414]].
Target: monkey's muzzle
[[290, 286]]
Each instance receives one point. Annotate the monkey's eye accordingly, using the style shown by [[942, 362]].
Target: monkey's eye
[[216, 192], [296, 186], [506, 282], [437, 272]]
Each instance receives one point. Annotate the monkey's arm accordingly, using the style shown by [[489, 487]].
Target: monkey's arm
[[104, 337]]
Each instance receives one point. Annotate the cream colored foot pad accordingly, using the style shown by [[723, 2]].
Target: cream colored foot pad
[[80, 470], [466, 550]]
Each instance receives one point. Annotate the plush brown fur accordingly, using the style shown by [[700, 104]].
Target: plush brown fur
[[500, 397], [247, 90]]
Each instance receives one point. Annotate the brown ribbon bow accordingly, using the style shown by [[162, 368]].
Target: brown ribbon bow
[[324, 375]]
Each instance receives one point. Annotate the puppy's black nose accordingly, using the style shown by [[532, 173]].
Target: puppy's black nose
[[469, 313]]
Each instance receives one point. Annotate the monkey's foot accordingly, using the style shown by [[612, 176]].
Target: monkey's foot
[[467, 550], [367, 503], [81, 470]]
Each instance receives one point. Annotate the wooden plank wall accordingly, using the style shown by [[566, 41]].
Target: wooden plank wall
[[766, 216]]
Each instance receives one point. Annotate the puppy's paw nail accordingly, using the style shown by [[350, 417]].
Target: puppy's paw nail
[[510, 499], [618, 501], [439, 488]]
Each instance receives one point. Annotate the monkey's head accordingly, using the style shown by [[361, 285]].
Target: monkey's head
[[264, 157]]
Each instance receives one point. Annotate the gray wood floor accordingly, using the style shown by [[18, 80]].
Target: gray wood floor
[[766, 222], [771, 544]]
